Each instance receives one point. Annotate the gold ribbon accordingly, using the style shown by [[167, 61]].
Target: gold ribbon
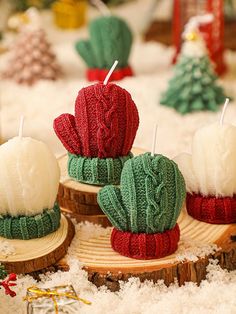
[[52, 294]]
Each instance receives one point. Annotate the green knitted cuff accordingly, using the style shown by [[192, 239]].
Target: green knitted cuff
[[96, 170], [30, 227]]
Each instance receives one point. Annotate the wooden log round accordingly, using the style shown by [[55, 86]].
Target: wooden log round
[[106, 267], [36, 254], [80, 199]]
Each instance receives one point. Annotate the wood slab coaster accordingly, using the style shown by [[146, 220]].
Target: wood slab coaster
[[80, 199], [36, 254], [106, 267]]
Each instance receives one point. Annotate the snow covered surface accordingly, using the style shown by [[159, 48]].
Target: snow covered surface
[[43, 102], [6, 248], [135, 297]]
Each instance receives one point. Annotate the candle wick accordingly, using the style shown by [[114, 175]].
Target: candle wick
[[102, 8], [154, 140], [110, 72], [22, 118], [223, 111]]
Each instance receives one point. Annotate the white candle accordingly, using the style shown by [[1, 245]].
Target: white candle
[[211, 170], [29, 177]]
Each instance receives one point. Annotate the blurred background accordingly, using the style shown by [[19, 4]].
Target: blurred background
[[157, 27]]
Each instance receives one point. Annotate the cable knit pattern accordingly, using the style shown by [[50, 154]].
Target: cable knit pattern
[[30, 227], [105, 123], [145, 246], [95, 170], [150, 197], [211, 209], [110, 39], [104, 127], [144, 210]]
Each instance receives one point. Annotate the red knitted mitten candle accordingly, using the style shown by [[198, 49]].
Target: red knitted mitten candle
[[100, 135]]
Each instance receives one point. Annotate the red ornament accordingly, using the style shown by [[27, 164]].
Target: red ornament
[[213, 33], [6, 284], [105, 122]]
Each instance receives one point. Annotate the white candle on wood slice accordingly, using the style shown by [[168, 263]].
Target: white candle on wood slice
[[29, 176], [211, 169]]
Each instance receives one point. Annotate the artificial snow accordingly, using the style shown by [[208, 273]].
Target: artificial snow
[[135, 297], [191, 250], [6, 248], [214, 295], [44, 101]]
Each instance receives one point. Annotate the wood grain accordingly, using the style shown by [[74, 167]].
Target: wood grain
[[36, 254], [106, 267], [79, 199]]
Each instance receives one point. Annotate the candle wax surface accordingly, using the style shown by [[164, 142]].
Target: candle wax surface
[[211, 169], [29, 177]]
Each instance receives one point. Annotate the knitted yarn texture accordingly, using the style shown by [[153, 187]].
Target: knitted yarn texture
[[95, 170], [110, 39], [145, 245], [105, 123], [30, 227], [149, 198], [211, 209]]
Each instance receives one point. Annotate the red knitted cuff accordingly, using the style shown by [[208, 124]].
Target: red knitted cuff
[[144, 245], [100, 74], [210, 209]]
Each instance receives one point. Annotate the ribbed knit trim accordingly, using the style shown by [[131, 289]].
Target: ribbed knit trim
[[145, 246], [98, 171], [211, 209], [30, 227], [96, 74]]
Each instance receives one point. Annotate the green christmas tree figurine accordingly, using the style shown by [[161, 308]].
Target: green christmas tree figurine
[[193, 86]]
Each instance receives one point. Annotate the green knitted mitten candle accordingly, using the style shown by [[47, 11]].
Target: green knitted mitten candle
[[145, 208], [150, 196], [110, 39]]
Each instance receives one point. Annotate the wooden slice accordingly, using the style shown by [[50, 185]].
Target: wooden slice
[[106, 267], [80, 199], [36, 254]]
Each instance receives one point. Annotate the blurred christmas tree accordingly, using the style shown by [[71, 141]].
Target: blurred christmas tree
[[22, 5], [31, 57], [193, 86]]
